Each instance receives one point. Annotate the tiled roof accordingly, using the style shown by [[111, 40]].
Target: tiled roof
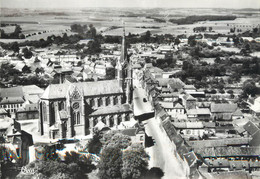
[[11, 92], [256, 139], [175, 83], [237, 113], [167, 105], [3, 111], [89, 88], [172, 133], [190, 158], [228, 151], [223, 108], [129, 132], [28, 107], [219, 142], [230, 175], [188, 125], [112, 109], [199, 111], [250, 127], [178, 106], [12, 100]]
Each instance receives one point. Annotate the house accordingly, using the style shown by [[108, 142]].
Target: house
[[199, 113], [253, 130], [188, 101], [175, 85], [193, 129], [225, 111], [148, 66], [3, 113], [137, 135], [13, 98], [16, 140], [255, 107], [235, 142], [22, 67], [29, 111], [169, 97], [189, 88]]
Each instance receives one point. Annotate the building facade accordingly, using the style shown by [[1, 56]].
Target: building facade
[[71, 109]]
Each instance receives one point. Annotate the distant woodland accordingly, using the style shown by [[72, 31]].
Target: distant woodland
[[193, 19]]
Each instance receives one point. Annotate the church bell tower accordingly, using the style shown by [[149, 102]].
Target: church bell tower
[[124, 71]]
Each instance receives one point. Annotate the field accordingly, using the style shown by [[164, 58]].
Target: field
[[137, 21]]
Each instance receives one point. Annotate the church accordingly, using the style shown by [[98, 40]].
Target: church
[[73, 109]]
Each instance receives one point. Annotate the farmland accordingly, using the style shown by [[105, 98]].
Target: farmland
[[37, 24]]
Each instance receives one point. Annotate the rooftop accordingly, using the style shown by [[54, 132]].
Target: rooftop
[[223, 108], [112, 109], [89, 89]]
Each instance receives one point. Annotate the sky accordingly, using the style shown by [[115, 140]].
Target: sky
[[130, 3]]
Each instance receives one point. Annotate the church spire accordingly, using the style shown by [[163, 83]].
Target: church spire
[[123, 57]]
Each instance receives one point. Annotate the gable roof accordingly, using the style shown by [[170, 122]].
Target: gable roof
[[12, 100], [123, 108], [3, 111], [11, 92], [223, 108], [191, 158], [172, 133], [129, 132], [219, 142], [251, 128], [89, 89], [199, 111]]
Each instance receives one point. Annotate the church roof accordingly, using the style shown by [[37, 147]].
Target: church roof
[[112, 109], [89, 89]]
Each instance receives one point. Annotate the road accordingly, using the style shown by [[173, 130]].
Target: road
[[140, 106], [160, 153]]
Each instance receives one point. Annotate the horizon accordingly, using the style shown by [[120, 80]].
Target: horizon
[[143, 4]]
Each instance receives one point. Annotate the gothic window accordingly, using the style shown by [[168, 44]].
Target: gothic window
[[103, 119], [119, 119], [127, 117], [95, 121], [111, 119], [100, 102], [44, 111], [92, 102], [78, 118], [52, 112], [107, 101], [61, 105], [115, 100], [74, 118]]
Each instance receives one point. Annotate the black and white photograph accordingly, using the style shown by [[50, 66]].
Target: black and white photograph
[[129, 89]]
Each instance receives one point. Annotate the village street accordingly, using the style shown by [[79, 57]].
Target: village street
[[160, 153]]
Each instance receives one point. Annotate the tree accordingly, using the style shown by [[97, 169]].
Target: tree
[[249, 88], [120, 140], [110, 163], [83, 162], [52, 169], [155, 173], [177, 41], [15, 47], [94, 145], [135, 162], [27, 53]]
